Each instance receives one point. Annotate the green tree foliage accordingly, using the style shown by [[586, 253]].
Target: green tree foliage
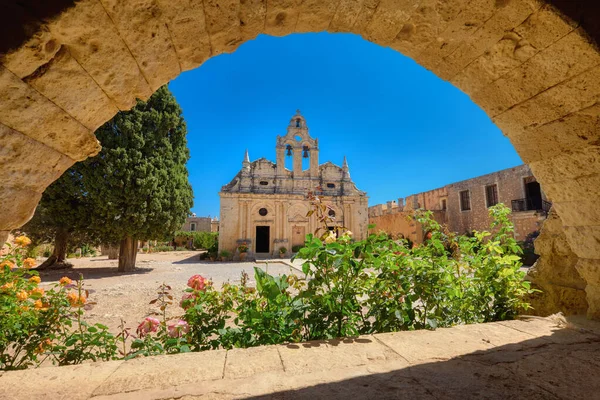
[[138, 184], [62, 217]]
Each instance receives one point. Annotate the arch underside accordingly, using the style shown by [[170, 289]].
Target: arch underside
[[532, 65]]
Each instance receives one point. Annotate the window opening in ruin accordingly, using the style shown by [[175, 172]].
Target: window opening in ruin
[[491, 195], [465, 201], [298, 123], [264, 183], [298, 138], [263, 211], [533, 194], [444, 204], [331, 213], [331, 185], [192, 227]]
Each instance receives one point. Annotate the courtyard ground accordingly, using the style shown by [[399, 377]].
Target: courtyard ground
[[126, 295]]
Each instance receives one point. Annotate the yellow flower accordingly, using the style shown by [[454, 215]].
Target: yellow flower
[[35, 279], [7, 286], [7, 263], [37, 292], [22, 295], [65, 281], [75, 300], [38, 304], [28, 263], [330, 238], [22, 241]]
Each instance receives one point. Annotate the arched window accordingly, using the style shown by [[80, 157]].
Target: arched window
[[298, 123], [193, 227]]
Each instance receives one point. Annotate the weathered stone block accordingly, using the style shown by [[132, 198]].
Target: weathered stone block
[[492, 31], [570, 96], [252, 18], [94, 42], [142, 27], [346, 15], [316, 15], [223, 24], [185, 20], [585, 242], [281, 18], [388, 20], [60, 131], [36, 51], [426, 23], [63, 80], [28, 164], [545, 27], [549, 67]]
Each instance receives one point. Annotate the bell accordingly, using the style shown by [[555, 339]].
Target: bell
[[289, 150], [305, 155]]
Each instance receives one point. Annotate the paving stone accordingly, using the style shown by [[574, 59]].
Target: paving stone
[[164, 371], [441, 344], [567, 371], [548, 330], [252, 361], [71, 382], [332, 354]]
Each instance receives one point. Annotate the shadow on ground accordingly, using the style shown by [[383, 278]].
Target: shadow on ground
[[564, 365], [91, 273]]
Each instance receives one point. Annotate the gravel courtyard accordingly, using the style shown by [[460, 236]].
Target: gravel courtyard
[[126, 296]]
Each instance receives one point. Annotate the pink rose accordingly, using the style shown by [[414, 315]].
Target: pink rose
[[148, 325], [197, 282], [178, 328], [184, 303]]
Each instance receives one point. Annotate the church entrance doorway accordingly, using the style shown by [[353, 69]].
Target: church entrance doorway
[[263, 234]]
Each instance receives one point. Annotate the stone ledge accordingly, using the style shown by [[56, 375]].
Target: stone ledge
[[495, 357]]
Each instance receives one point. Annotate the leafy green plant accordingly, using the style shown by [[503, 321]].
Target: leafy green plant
[[225, 255]]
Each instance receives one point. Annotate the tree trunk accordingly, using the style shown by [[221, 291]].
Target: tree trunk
[[59, 255], [127, 254]]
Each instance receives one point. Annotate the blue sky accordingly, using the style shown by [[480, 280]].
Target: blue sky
[[403, 130]]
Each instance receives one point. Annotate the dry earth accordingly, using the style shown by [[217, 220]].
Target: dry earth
[[127, 296]]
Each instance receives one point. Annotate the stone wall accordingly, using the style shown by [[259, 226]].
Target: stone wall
[[203, 224], [394, 218]]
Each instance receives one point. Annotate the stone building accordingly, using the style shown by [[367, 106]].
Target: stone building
[[265, 205], [197, 224], [463, 206]]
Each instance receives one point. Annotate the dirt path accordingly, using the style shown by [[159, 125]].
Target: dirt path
[[127, 295]]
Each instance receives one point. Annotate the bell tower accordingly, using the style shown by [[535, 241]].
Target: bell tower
[[298, 144]]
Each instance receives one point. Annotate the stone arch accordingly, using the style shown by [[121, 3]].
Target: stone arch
[[532, 65]]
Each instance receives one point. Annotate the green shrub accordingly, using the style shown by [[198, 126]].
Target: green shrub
[[282, 250], [180, 249], [296, 248], [225, 255], [36, 324], [352, 288]]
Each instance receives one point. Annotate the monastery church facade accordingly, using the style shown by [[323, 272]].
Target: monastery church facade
[[266, 207]]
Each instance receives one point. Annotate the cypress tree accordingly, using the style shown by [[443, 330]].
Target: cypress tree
[[137, 186]]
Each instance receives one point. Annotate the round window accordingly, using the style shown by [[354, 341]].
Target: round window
[[263, 211], [331, 213]]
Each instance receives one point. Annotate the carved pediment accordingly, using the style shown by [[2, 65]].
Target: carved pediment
[[298, 218]]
